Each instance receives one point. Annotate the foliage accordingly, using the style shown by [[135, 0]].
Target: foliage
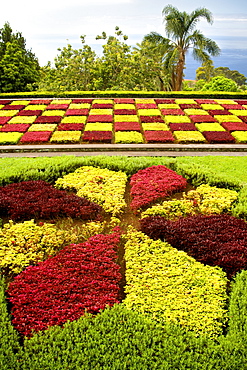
[[38, 199], [171, 209], [102, 186], [189, 137], [19, 68], [80, 277], [169, 285], [9, 137], [128, 137], [66, 137], [220, 83], [23, 244], [215, 240]]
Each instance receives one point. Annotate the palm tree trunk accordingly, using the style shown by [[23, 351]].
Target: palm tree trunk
[[180, 71]]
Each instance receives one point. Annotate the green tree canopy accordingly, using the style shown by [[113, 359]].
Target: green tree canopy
[[19, 68], [220, 83]]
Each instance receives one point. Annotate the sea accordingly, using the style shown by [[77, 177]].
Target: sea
[[234, 59]]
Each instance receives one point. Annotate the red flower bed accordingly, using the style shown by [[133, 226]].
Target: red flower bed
[[125, 111], [216, 240], [124, 101], [232, 106], [203, 118], [102, 136], [77, 112], [190, 106], [206, 101], [40, 101], [243, 118], [146, 106], [244, 102], [4, 120], [218, 137], [57, 106], [215, 112], [18, 127], [102, 106], [146, 119], [172, 112], [48, 119], [70, 127], [13, 107], [82, 100], [127, 126], [158, 137], [29, 112], [234, 126], [4, 101], [39, 199], [99, 118], [175, 126], [35, 137], [81, 277], [164, 101], [152, 183]]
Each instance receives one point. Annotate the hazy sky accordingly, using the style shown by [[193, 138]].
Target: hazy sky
[[49, 24]]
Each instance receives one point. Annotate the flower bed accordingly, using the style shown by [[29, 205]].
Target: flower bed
[[21, 127], [9, 137], [129, 137], [153, 183], [81, 277], [97, 136], [127, 126], [158, 137], [189, 137], [35, 137], [66, 137], [222, 137]]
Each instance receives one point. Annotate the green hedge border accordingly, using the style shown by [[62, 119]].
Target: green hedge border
[[127, 94]]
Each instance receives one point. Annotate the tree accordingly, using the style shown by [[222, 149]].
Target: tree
[[236, 76], [220, 83], [19, 68], [181, 36]]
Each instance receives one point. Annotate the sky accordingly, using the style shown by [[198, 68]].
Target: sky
[[51, 24]]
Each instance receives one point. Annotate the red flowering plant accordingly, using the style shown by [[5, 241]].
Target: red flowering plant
[[241, 102], [243, 118], [154, 183], [77, 112], [146, 106], [124, 111], [158, 136], [190, 106], [202, 118], [4, 120], [13, 107], [232, 106], [94, 136], [206, 101], [38, 199], [26, 112], [234, 126], [70, 127], [124, 101], [82, 100], [176, 126], [164, 101], [146, 119], [48, 119], [102, 106], [215, 112], [218, 137], [100, 118], [172, 112], [31, 137], [18, 127], [215, 240], [57, 106], [81, 277], [127, 126], [40, 101], [4, 101]]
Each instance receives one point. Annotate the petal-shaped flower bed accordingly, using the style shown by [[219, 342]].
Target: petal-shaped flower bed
[[153, 183], [216, 240], [38, 199], [81, 277]]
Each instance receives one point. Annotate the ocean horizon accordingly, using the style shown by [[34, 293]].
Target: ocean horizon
[[234, 59]]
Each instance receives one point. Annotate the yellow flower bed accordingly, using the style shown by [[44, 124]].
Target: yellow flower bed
[[74, 119], [126, 118], [155, 126], [98, 126], [149, 112], [185, 101], [53, 113], [102, 186], [124, 106], [168, 106], [36, 107], [22, 119], [20, 102], [212, 107], [238, 112], [177, 119], [173, 287], [61, 101], [227, 118], [43, 127], [103, 111], [8, 113], [194, 112]]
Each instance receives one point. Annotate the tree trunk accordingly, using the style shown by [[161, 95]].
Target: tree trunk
[[180, 71]]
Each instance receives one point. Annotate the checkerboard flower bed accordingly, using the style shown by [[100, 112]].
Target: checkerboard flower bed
[[60, 288], [158, 137], [9, 137], [35, 137], [153, 183], [21, 127], [218, 137], [97, 136]]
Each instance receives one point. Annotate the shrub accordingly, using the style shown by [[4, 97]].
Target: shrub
[[227, 118], [70, 127], [22, 119], [194, 112], [182, 127], [26, 243], [171, 209], [38, 199], [55, 113], [46, 119], [234, 126], [126, 118], [204, 118], [177, 119], [81, 277]]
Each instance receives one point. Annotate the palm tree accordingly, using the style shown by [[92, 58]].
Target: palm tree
[[181, 36]]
